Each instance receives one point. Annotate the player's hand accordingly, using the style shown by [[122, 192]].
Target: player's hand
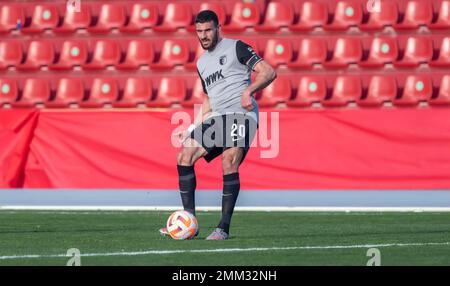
[[246, 100], [181, 135]]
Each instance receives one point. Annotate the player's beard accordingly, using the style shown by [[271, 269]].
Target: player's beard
[[214, 41]]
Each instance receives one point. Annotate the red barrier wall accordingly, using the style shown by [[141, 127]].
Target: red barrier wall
[[318, 149], [16, 131]]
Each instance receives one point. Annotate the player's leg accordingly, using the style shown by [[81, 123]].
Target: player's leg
[[231, 158], [238, 133], [186, 159]]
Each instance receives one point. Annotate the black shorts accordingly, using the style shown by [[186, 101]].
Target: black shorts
[[218, 133]]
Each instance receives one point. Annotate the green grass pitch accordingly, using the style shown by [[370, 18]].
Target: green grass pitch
[[257, 238]]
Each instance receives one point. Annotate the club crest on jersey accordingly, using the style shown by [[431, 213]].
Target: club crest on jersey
[[223, 60]]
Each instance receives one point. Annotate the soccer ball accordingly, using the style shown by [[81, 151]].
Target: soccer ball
[[182, 225]]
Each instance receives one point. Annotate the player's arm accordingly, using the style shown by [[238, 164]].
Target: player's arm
[[205, 110], [265, 73], [206, 107]]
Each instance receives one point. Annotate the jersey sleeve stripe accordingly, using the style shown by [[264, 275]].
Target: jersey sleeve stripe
[[253, 61]]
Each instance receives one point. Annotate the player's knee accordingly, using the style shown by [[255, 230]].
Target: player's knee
[[229, 165], [179, 158], [185, 158]]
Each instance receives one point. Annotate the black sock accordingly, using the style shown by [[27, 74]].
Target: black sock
[[188, 183], [231, 186]]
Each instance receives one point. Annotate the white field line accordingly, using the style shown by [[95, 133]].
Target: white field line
[[217, 208], [222, 250]]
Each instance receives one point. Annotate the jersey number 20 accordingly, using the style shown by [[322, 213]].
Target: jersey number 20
[[235, 130]]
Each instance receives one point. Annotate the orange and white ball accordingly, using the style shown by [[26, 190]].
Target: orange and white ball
[[182, 225]]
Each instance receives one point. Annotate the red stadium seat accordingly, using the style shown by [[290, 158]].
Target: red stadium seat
[[278, 51], [217, 7], [387, 16], [382, 50], [138, 90], [174, 52], [40, 53], [170, 90], [45, 16], [443, 19], [139, 52], [417, 13], [311, 51], [106, 53], [8, 91], [192, 65], [381, 89], [346, 51], [35, 91], [278, 91], [197, 96], [11, 54], [111, 16], [313, 14], [74, 20], [278, 15], [73, 53], [143, 15], [443, 97], [244, 15], [177, 15], [417, 88], [103, 91], [346, 89], [69, 91], [10, 16], [311, 89], [443, 59], [418, 50], [346, 14]]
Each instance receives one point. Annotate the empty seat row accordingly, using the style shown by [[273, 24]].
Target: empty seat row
[[338, 92], [99, 91], [346, 89], [103, 53], [111, 15], [351, 14], [244, 15], [143, 15], [349, 50], [99, 54]]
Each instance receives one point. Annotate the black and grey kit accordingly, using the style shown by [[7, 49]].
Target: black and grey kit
[[225, 73]]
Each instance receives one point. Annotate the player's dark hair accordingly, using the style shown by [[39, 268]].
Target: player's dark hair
[[207, 16]]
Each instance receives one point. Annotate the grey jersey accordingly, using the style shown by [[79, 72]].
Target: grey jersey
[[225, 74]]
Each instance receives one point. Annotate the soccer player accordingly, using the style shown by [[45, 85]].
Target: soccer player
[[229, 116]]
